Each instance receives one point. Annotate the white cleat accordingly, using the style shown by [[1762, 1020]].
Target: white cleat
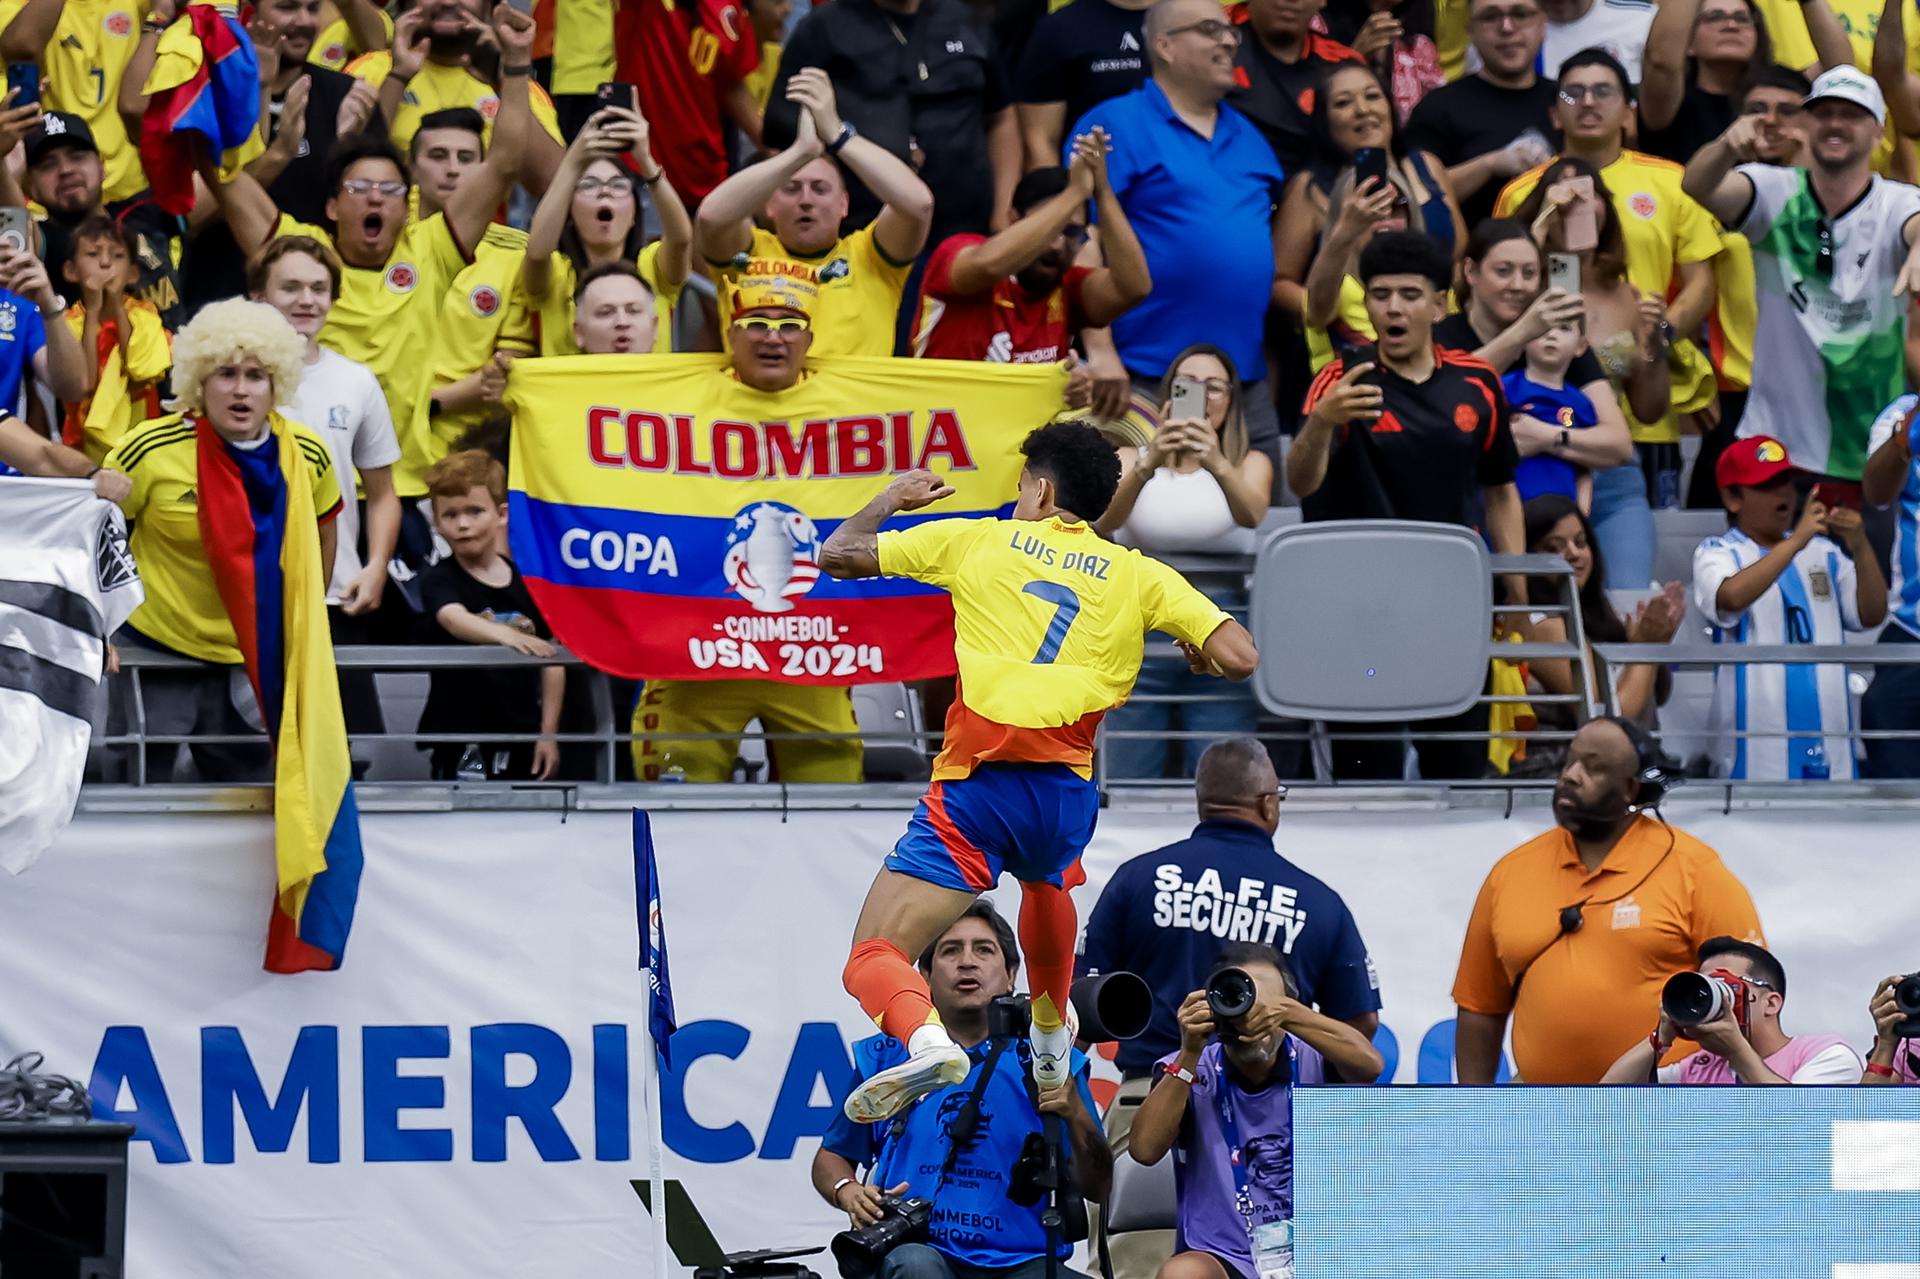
[[1050, 1070], [894, 1089]]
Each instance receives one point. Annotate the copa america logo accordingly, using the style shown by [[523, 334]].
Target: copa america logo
[[773, 554]]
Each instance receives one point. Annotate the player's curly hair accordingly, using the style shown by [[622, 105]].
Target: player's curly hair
[[1081, 463], [224, 330]]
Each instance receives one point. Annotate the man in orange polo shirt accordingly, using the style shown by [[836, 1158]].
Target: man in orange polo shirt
[[1595, 915]]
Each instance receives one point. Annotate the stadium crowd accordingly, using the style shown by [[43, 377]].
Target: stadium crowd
[[1490, 264]]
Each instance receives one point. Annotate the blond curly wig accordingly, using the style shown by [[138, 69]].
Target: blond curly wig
[[224, 331]]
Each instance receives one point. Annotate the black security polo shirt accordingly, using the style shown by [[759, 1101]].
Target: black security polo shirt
[[1434, 446]]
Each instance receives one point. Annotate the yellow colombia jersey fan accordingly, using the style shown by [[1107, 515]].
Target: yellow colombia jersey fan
[[860, 289], [183, 609], [92, 44], [1049, 627], [441, 88]]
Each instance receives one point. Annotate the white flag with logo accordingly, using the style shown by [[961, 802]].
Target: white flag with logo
[[67, 582]]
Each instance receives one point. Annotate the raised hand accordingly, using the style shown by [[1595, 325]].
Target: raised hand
[[916, 489]]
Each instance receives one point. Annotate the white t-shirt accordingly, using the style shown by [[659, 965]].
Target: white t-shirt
[[1831, 335], [1618, 26], [1813, 602], [340, 401], [1178, 512]]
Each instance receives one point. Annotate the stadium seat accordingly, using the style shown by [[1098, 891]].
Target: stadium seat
[[891, 710], [1142, 1197], [1412, 645], [1677, 533]]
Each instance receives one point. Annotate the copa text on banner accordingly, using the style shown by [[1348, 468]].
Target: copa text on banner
[[668, 518]]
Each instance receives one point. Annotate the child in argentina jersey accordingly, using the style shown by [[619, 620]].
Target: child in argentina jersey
[[1772, 579]]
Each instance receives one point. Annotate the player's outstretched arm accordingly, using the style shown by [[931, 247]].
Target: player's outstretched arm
[[1229, 652], [853, 549]]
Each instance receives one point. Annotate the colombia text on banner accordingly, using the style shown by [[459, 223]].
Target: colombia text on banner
[[669, 518]]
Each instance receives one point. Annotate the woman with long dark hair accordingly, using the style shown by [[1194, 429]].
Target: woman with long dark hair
[[1700, 55], [1330, 212]]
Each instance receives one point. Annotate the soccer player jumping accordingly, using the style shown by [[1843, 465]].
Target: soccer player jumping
[[1049, 625]]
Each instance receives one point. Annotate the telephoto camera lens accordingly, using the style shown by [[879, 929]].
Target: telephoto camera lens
[[1693, 999], [1906, 997], [861, 1251], [1231, 994]]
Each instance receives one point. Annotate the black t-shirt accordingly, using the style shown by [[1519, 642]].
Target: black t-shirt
[[215, 266], [1456, 333], [1434, 446], [1278, 96], [157, 282], [1082, 55], [500, 700], [1471, 117], [1702, 117]]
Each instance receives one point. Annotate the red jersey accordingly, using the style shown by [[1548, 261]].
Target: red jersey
[[681, 54], [1004, 325]]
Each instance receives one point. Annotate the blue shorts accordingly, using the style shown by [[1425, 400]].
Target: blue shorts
[[1031, 821]]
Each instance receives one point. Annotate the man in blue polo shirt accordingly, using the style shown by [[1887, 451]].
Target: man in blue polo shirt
[[957, 1147], [1167, 914], [1202, 189]]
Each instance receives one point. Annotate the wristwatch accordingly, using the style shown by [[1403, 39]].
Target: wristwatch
[[847, 134], [1566, 438]]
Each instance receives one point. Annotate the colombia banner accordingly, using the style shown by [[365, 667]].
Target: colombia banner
[[669, 519]]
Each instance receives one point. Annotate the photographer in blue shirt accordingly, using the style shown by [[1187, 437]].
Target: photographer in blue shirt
[[958, 1147]]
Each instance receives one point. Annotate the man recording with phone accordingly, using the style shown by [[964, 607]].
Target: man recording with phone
[[1895, 1009], [1225, 1104], [1731, 1008], [965, 1152], [1595, 915]]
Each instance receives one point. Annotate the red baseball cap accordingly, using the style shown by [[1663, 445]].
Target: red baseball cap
[[1756, 460]]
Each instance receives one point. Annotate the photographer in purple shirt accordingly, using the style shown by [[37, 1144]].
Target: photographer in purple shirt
[[1225, 1107]]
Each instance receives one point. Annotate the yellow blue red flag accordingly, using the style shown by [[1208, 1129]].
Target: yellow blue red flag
[[668, 518], [257, 521]]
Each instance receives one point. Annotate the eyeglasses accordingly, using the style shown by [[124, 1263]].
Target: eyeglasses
[[1728, 18], [1211, 29], [1574, 94], [1075, 232], [1496, 18], [361, 186], [768, 324], [1823, 254], [612, 186]]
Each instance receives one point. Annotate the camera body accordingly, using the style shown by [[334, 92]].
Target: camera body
[[861, 1250], [1693, 999], [1906, 997]]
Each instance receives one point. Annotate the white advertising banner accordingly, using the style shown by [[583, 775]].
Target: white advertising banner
[[463, 1097]]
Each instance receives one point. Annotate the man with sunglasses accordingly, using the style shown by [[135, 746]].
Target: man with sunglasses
[[1833, 255], [1736, 1048], [1018, 298], [771, 335]]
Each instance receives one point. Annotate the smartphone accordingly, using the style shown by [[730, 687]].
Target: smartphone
[[1832, 493], [24, 79], [618, 93], [1369, 162], [1189, 400], [1563, 272], [1580, 221], [16, 230]]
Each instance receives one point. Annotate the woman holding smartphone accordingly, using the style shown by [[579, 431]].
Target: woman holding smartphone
[[1195, 488], [1364, 180], [1570, 215]]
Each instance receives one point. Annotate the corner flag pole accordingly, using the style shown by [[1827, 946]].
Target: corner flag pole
[[656, 1027]]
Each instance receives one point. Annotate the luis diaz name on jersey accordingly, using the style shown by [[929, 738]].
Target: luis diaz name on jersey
[[1253, 910]]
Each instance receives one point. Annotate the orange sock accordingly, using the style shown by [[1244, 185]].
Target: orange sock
[[891, 990], [1049, 926]]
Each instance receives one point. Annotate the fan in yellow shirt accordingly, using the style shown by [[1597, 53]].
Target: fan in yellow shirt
[[345, 30], [397, 270], [582, 46], [804, 195], [83, 48]]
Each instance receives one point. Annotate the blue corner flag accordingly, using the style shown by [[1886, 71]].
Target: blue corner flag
[[653, 938]]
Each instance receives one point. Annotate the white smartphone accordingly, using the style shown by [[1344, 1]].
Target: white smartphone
[[1189, 400], [1563, 272]]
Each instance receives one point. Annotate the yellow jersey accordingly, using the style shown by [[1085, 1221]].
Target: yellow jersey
[[113, 409], [439, 88], [1049, 625], [1353, 324], [385, 318], [335, 46], [84, 63], [582, 45], [1787, 32], [556, 313], [759, 81], [183, 609], [860, 289], [1736, 312]]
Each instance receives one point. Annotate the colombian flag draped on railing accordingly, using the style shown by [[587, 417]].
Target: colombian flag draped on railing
[[668, 518], [205, 80], [258, 528]]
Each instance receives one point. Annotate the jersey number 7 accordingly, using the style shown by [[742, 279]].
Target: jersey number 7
[[1066, 607]]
